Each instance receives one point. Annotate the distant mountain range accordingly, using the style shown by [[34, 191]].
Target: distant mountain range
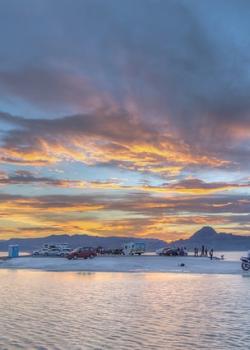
[[29, 244], [206, 236]]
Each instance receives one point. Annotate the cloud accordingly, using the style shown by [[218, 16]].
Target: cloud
[[189, 186], [108, 137], [52, 90], [197, 186], [139, 214], [160, 88], [192, 77], [24, 177]]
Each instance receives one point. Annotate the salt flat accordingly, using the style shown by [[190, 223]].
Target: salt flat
[[146, 263]]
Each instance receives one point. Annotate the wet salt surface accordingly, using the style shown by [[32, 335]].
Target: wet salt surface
[[127, 264], [79, 310]]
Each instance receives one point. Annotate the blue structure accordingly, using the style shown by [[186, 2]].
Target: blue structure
[[13, 251]]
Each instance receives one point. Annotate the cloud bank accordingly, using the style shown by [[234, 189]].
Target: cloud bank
[[152, 93]]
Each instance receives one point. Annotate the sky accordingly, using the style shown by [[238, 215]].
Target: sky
[[124, 118]]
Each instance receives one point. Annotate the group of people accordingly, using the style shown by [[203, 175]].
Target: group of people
[[204, 252], [182, 251]]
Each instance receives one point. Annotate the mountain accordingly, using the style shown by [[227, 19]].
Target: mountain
[[29, 244], [208, 237]]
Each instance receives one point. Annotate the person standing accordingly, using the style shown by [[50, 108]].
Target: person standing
[[211, 253], [196, 251], [202, 250]]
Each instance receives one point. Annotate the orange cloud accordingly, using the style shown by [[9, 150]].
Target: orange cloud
[[138, 215], [105, 137]]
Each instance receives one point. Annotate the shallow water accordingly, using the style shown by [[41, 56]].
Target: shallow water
[[232, 256], [53, 310]]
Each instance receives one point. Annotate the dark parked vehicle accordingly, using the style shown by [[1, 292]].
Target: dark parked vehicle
[[172, 251], [117, 252], [103, 251], [169, 252], [82, 252]]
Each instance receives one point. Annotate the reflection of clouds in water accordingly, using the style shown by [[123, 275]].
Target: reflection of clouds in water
[[117, 310]]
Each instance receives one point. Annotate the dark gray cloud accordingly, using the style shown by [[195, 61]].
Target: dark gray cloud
[[24, 177], [183, 65], [217, 204], [143, 204], [178, 61], [51, 89]]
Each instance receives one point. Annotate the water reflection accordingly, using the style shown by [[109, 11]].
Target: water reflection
[[47, 310]]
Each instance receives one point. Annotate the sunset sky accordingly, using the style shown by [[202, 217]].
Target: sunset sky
[[124, 118]]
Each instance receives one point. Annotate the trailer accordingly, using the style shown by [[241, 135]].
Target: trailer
[[134, 248]]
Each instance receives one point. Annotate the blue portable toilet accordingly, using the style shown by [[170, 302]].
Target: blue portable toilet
[[13, 251]]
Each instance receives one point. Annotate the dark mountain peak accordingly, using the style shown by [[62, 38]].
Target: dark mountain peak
[[205, 232], [208, 237]]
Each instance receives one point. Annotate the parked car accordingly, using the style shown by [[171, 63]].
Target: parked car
[[103, 251], [82, 252], [57, 249], [64, 251], [169, 252]]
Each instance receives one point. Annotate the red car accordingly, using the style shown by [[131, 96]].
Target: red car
[[82, 252]]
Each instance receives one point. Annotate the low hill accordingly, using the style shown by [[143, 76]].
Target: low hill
[[29, 244]]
